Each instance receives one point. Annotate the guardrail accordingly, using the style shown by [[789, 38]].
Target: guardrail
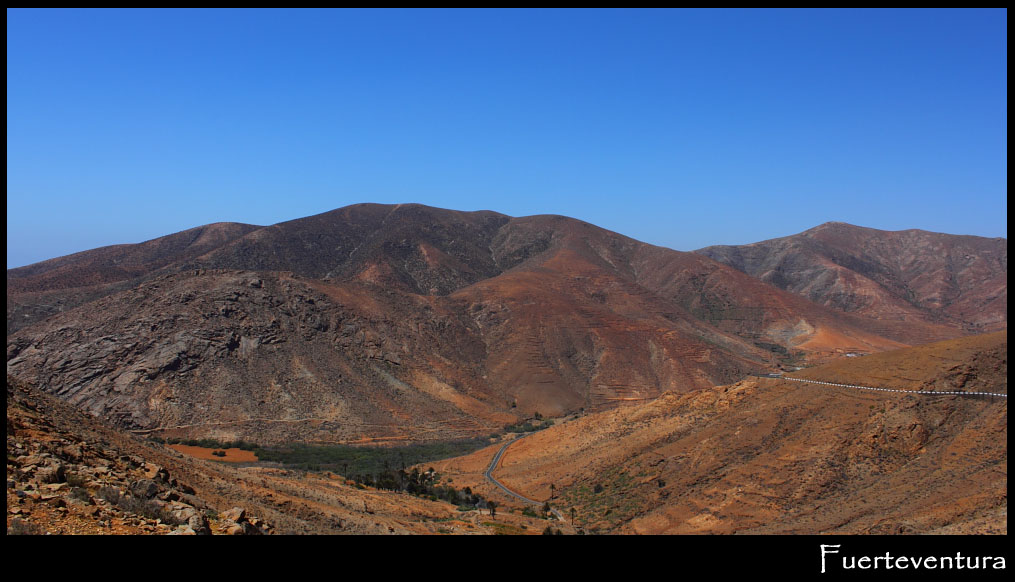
[[921, 392]]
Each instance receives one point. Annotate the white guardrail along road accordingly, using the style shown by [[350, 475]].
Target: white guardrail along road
[[923, 392]]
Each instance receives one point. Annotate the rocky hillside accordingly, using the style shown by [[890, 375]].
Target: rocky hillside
[[405, 322], [908, 275], [69, 473], [775, 456]]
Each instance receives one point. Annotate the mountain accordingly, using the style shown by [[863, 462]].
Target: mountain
[[771, 455], [908, 275], [404, 322], [37, 291]]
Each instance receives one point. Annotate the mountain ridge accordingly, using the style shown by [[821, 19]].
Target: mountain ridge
[[905, 275], [403, 321]]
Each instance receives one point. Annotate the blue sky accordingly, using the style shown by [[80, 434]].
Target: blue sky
[[678, 128]]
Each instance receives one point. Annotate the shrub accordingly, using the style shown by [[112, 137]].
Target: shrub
[[81, 494], [142, 507], [20, 527]]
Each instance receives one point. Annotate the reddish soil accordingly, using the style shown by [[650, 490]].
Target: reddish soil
[[232, 455]]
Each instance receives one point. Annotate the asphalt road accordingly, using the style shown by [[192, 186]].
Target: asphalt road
[[518, 496]]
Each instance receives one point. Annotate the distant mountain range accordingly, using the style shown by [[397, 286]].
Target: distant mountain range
[[410, 322]]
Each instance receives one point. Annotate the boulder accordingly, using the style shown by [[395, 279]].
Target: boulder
[[199, 523], [156, 472], [52, 473], [145, 489], [236, 514]]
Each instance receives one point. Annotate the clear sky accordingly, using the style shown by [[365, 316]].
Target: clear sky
[[679, 128]]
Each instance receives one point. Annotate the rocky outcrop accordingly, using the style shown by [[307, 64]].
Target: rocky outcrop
[[235, 522], [58, 481]]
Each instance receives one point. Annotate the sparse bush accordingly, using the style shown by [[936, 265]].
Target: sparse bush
[[20, 527], [209, 443], [81, 494], [598, 488], [144, 508]]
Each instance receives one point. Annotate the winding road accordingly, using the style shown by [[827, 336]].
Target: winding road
[[489, 476]]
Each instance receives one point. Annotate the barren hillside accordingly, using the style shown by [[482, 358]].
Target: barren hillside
[[909, 275], [774, 456], [68, 473], [404, 322]]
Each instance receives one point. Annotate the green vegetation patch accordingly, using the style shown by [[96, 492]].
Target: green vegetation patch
[[352, 460], [207, 443], [529, 425]]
